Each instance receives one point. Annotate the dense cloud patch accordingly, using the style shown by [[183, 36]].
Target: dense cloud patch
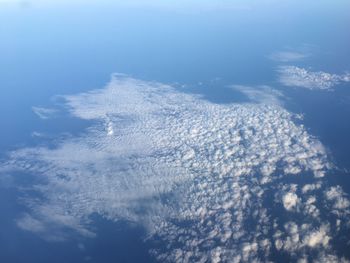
[[208, 180], [299, 77]]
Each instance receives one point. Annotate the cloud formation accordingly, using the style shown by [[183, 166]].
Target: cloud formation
[[198, 176], [44, 113], [299, 77], [288, 56], [261, 94]]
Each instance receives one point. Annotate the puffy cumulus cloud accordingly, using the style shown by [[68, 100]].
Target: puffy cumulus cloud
[[339, 203], [319, 237], [198, 176], [337, 195], [290, 201], [310, 207], [304, 203], [299, 77], [296, 237]]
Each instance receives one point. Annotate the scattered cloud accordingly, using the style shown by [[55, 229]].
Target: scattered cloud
[[299, 77], [319, 237], [197, 175], [296, 237], [339, 200]]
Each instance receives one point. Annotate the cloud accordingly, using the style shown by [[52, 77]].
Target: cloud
[[44, 113], [288, 56], [299, 77], [318, 237], [290, 201], [311, 187], [339, 201], [262, 94], [198, 176], [297, 237]]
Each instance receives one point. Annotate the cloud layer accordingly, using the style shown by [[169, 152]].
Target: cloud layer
[[208, 180]]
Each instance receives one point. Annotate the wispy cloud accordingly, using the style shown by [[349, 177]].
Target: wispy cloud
[[288, 56], [44, 113], [192, 172], [261, 94]]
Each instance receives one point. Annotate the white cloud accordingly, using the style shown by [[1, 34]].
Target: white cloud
[[195, 174], [44, 113], [311, 187], [302, 237], [318, 237], [290, 201], [29, 223], [299, 77], [288, 56], [262, 94], [338, 200]]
